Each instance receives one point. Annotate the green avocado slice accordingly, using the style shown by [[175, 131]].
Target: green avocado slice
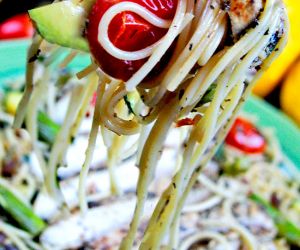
[[61, 23]]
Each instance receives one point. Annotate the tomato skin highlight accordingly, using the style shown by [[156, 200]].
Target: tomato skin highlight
[[128, 32], [18, 26], [244, 136]]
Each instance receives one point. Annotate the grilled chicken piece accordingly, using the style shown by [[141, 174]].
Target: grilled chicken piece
[[99, 222], [242, 13]]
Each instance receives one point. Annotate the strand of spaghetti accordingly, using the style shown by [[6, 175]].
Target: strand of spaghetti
[[237, 74], [210, 185], [183, 65], [250, 57], [245, 64], [116, 92], [107, 107], [21, 235], [31, 118], [53, 56], [174, 235], [77, 114], [152, 112], [221, 85], [19, 232], [183, 164], [32, 106], [214, 44], [151, 97], [209, 154], [106, 136], [116, 9], [227, 208], [149, 158], [86, 71], [201, 75], [185, 34], [130, 151], [165, 205], [144, 134], [2, 151], [180, 58], [114, 152], [68, 59], [180, 44], [92, 86], [237, 50], [236, 95], [227, 211], [198, 10], [204, 205], [12, 236], [279, 47], [205, 20], [163, 214], [207, 24], [32, 245], [21, 177], [91, 147], [241, 71], [161, 49], [154, 92], [29, 84], [221, 136], [51, 99], [229, 106], [248, 239], [189, 143], [205, 235], [61, 141]]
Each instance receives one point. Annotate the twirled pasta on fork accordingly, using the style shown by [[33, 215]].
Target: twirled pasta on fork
[[157, 62]]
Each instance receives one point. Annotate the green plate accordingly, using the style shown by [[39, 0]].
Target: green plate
[[12, 61]]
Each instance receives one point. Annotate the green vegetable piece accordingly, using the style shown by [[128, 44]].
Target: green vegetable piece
[[48, 129], [208, 96], [61, 23], [238, 166], [130, 100], [285, 228], [20, 212], [128, 104]]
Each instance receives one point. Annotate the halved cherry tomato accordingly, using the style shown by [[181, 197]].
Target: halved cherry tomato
[[18, 26], [245, 137], [129, 32], [185, 122]]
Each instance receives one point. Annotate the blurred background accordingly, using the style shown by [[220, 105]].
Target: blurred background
[[280, 85]]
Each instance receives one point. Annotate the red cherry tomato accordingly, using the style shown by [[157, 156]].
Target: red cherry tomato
[[129, 32], [185, 122], [245, 137], [18, 26]]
